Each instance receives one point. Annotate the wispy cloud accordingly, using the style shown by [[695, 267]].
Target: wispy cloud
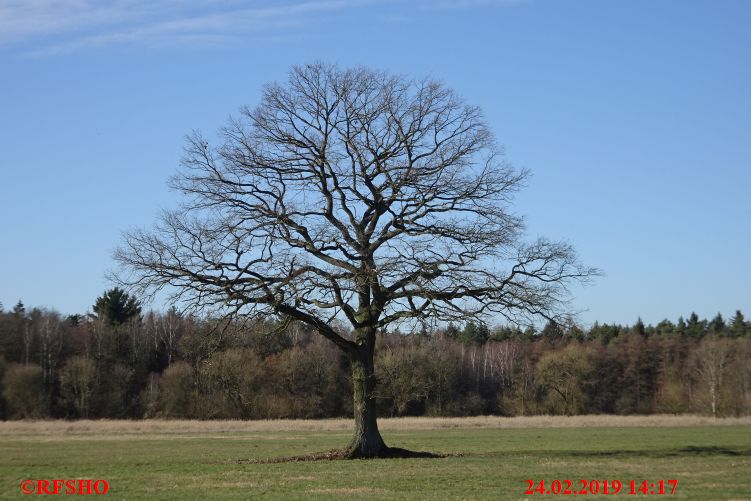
[[22, 20], [48, 27]]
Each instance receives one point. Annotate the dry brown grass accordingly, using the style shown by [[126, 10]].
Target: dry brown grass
[[166, 427]]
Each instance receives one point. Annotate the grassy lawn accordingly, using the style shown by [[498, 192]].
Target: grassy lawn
[[168, 462]]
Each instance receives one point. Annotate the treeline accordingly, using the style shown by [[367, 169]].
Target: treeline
[[120, 363]]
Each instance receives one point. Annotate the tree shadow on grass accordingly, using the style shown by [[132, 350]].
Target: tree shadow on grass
[[396, 453], [343, 454], [691, 450]]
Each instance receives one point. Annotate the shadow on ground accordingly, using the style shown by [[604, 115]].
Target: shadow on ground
[[691, 450]]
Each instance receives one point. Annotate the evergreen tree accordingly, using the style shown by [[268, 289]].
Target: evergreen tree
[[475, 333], [530, 332], [717, 325], [575, 332], [552, 331], [74, 320], [452, 331], [116, 306], [502, 333], [694, 327], [19, 310], [639, 327], [680, 327], [482, 334], [594, 331], [738, 326], [605, 333], [665, 327]]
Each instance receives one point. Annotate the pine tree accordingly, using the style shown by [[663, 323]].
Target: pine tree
[[680, 327], [551, 331], [475, 333], [717, 325], [738, 325], [116, 306], [19, 309], [639, 327], [694, 327], [452, 331], [665, 327]]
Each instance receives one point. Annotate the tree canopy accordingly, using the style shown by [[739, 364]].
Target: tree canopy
[[352, 195], [116, 306]]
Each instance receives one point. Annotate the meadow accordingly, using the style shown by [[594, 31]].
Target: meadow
[[487, 457]]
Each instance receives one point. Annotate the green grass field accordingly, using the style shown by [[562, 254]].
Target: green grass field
[[709, 462]]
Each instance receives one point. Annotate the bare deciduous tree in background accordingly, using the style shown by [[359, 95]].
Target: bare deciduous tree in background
[[711, 364], [353, 195]]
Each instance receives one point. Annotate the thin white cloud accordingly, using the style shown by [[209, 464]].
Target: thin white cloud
[[48, 27], [60, 26], [22, 20]]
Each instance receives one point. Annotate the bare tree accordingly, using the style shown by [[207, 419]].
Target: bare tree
[[353, 195], [562, 372], [503, 358], [711, 363], [77, 381], [169, 331], [51, 343]]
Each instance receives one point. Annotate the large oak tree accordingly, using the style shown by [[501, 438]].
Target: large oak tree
[[357, 196]]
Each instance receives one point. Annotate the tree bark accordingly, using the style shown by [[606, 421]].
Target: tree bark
[[366, 441]]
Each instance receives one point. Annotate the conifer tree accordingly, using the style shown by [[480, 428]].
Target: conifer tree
[[116, 306]]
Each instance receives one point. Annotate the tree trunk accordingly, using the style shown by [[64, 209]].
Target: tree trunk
[[367, 441]]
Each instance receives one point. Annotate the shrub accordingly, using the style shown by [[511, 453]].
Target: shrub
[[23, 391]]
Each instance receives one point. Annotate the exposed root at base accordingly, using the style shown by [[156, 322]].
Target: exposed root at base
[[340, 454]]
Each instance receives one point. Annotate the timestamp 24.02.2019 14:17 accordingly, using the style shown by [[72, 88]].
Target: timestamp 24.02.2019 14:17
[[590, 487]]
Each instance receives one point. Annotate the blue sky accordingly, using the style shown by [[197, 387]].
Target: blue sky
[[634, 116]]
